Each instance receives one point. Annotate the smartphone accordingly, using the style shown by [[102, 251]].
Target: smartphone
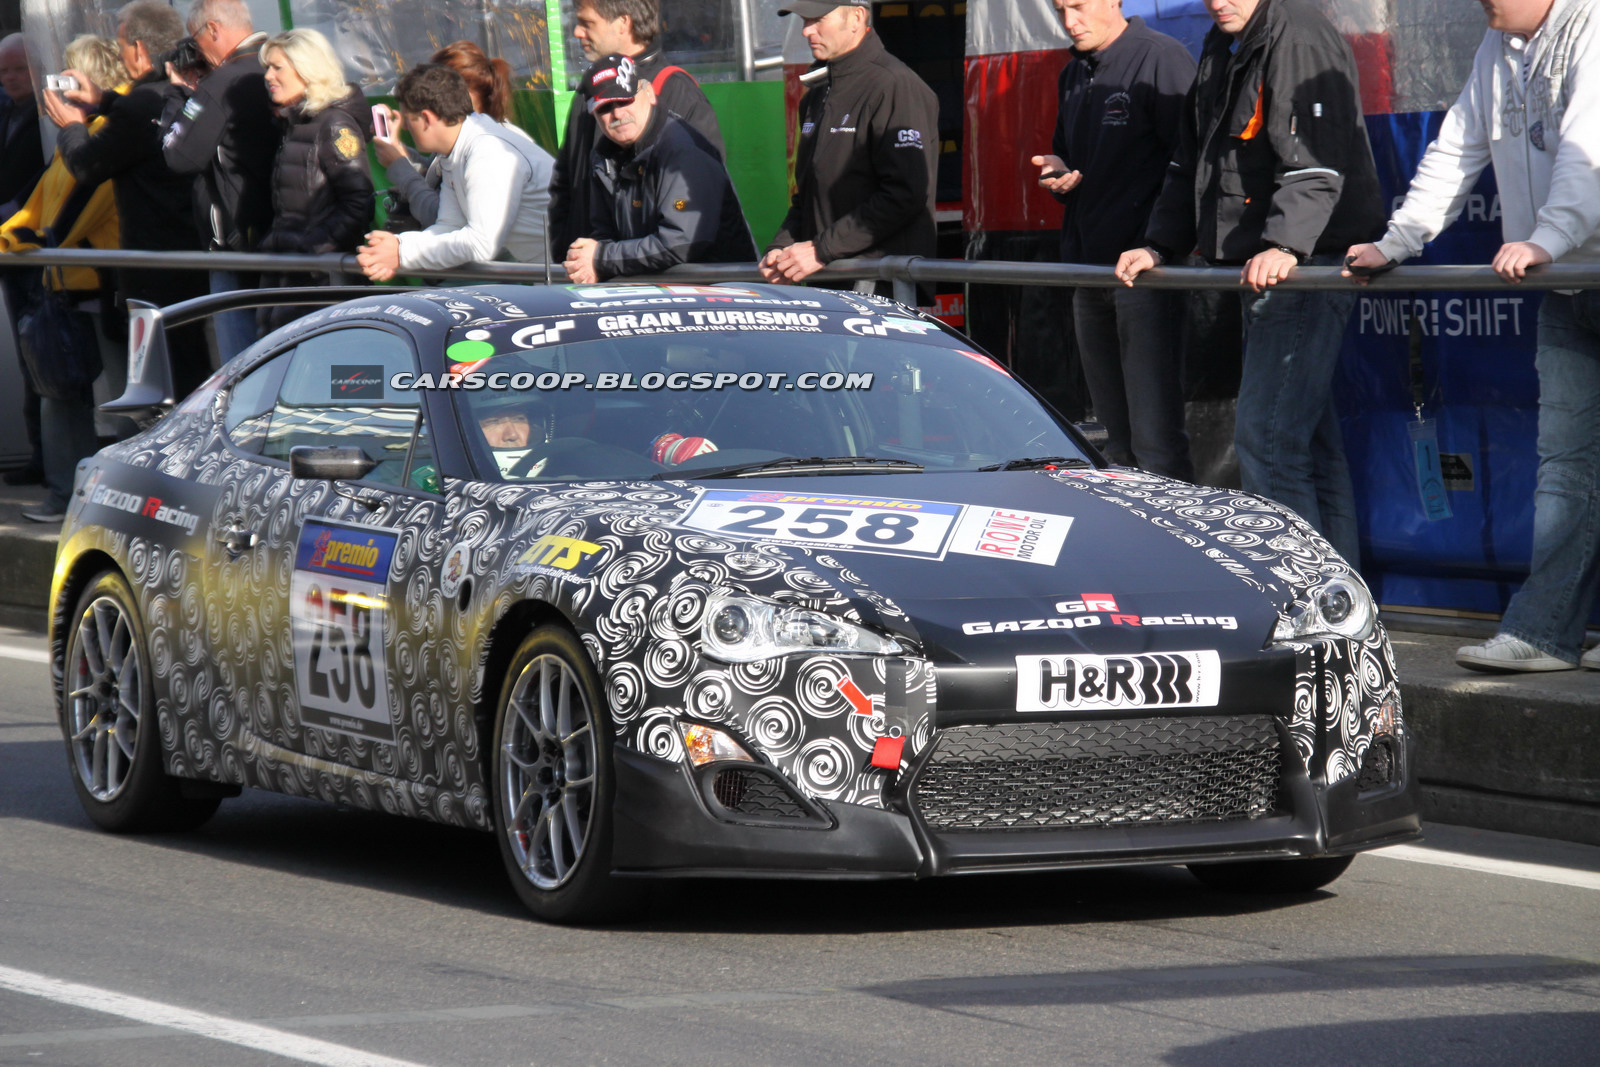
[[59, 83], [1051, 174], [380, 121]]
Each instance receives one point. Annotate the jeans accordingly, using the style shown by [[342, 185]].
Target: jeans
[[67, 429], [235, 330], [1286, 431], [1550, 609], [1128, 340]]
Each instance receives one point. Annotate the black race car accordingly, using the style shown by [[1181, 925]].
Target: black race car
[[658, 580]]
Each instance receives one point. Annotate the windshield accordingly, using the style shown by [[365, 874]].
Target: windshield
[[721, 404]]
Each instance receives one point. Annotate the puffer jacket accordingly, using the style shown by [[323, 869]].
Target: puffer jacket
[[322, 198]]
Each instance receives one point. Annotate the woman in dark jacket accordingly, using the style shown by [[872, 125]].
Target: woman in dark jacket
[[322, 195]]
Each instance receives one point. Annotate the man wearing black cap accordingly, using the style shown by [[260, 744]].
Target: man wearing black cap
[[658, 193], [869, 146], [628, 28]]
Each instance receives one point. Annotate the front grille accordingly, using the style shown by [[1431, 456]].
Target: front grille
[[1037, 776], [755, 795]]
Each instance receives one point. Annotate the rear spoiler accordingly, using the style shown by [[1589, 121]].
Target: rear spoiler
[[148, 394]]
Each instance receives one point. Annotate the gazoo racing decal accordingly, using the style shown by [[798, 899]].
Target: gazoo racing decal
[[554, 556], [928, 529], [146, 503], [1096, 609], [338, 613], [1142, 680]]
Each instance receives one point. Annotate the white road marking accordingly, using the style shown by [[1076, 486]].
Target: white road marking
[[216, 1027], [30, 655], [1533, 872]]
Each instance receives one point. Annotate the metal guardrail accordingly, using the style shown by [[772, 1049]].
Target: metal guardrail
[[904, 271]]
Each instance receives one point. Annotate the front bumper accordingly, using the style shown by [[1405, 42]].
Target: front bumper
[[665, 826]]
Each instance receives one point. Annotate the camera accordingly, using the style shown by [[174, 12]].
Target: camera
[[59, 83]]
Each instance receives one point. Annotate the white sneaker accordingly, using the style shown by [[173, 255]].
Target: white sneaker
[[1591, 659], [1502, 652]]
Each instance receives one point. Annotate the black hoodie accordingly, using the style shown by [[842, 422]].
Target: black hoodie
[[322, 197]]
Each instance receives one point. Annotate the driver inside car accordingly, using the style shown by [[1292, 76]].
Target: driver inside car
[[512, 424]]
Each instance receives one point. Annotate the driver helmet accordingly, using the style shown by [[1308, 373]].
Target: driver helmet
[[511, 424]]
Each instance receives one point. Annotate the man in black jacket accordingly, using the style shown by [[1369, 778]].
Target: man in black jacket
[[628, 28], [226, 137], [1121, 105], [21, 154], [1273, 170], [153, 203], [659, 195], [869, 147]]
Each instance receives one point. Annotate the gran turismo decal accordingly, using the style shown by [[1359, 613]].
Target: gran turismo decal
[[925, 529], [1145, 680], [338, 613]]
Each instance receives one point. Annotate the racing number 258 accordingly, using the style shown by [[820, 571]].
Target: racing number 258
[[349, 649], [825, 524]]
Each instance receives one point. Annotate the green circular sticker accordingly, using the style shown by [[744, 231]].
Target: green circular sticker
[[469, 351]]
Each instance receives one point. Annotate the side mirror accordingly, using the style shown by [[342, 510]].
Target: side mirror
[[329, 463]]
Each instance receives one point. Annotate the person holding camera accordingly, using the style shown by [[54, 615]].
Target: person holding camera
[[225, 137], [153, 209]]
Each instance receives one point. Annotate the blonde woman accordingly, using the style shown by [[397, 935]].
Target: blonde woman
[[321, 190], [60, 213]]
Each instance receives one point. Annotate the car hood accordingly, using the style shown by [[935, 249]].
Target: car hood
[[1047, 561]]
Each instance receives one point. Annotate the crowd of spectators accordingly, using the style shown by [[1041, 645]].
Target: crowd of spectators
[[209, 135]]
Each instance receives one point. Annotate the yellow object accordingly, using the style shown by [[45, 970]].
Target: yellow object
[[96, 225]]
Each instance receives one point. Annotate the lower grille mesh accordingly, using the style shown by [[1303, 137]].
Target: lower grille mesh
[[1034, 776], [756, 796]]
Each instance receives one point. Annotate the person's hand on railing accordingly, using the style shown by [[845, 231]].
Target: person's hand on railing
[[1515, 257], [1134, 262], [793, 264], [1361, 262], [1054, 176], [1266, 269], [579, 264], [379, 258]]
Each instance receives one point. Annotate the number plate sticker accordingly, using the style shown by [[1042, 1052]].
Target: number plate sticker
[[338, 610], [919, 528], [1139, 680]]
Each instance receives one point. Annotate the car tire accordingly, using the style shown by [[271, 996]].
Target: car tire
[[1271, 876], [108, 717], [553, 783]]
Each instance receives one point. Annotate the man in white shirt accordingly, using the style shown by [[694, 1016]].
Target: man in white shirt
[[1531, 107], [495, 188]]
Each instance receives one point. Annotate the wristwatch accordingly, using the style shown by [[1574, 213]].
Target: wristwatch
[[1286, 250]]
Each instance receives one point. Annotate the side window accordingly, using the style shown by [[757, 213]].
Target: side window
[[250, 403], [335, 391]]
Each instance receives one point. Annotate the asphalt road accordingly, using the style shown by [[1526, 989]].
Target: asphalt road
[[289, 927]]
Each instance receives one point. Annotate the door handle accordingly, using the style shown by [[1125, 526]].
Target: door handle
[[237, 539]]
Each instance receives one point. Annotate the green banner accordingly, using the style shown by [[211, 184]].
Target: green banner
[[557, 35]]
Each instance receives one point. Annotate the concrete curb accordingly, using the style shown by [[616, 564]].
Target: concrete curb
[[1517, 753]]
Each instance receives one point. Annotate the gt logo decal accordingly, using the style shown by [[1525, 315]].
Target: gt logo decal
[[542, 333], [1144, 680]]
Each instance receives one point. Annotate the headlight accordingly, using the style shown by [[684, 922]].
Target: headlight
[[743, 629], [1338, 606]]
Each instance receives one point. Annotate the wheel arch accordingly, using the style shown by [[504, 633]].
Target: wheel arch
[[84, 569], [505, 636]]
